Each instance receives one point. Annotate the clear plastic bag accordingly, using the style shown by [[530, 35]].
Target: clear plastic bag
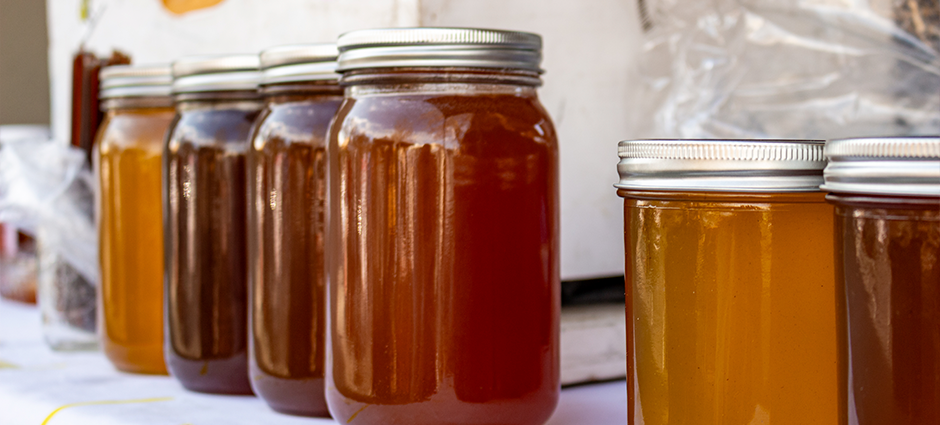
[[47, 188], [789, 69]]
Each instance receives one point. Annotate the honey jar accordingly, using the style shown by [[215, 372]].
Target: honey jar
[[128, 163], [442, 255], [205, 209], [886, 193], [287, 227], [731, 301]]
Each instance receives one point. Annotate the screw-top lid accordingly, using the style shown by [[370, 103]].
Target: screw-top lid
[[721, 165], [305, 62], [216, 73], [439, 47], [134, 81], [884, 166]]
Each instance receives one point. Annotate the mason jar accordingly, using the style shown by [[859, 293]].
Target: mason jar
[[128, 164], [886, 193], [442, 257], [287, 227], [205, 208], [731, 300]]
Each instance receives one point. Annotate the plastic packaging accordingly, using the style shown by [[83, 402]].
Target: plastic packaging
[[787, 69], [47, 188], [17, 247]]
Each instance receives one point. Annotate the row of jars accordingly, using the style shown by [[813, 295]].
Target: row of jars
[[782, 281], [375, 235], [411, 174]]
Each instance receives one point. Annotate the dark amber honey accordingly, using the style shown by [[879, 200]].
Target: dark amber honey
[[287, 234], [443, 258]]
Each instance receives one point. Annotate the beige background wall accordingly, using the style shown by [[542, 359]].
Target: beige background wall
[[24, 73]]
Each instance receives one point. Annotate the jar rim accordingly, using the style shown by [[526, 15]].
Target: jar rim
[[721, 165], [118, 81], [216, 73], [907, 165], [439, 47]]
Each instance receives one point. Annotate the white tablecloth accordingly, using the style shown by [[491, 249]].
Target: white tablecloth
[[42, 387]]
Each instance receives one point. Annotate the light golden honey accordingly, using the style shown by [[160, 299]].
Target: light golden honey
[[734, 309], [129, 164]]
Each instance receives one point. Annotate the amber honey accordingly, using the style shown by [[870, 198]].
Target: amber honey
[[287, 229], [205, 227], [442, 258], [889, 253], [886, 193]]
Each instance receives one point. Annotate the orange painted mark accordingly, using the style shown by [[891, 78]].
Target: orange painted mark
[[180, 7]]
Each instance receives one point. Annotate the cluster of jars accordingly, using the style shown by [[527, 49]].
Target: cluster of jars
[[370, 230], [367, 229], [782, 281]]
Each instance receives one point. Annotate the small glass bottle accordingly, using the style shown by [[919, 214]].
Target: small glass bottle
[[442, 257], [286, 227], [128, 163], [731, 305], [217, 102], [886, 193]]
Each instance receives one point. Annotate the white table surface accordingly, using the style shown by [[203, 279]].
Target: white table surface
[[35, 382]]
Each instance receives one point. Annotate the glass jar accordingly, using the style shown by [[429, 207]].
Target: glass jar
[[886, 193], [286, 227], [205, 226], [731, 305], [128, 163], [442, 257]]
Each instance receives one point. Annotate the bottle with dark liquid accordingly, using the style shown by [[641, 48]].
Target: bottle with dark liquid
[[886, 193], [442, 257], [286, 227], [204, 222]]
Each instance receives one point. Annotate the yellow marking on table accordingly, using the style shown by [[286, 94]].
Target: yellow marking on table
[[7, 365], [95, 403], [356, 414]]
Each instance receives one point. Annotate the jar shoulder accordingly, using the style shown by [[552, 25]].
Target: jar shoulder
[[134, 130], [212, 127], [300, 122], [447, 119]]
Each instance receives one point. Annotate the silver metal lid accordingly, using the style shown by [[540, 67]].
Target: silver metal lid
[[134, 81], [216, 73], [721, 165], [305, 62], [884, 166], [439, 47]]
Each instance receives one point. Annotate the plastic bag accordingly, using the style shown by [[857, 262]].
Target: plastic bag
[[789, 69], [47, 188]]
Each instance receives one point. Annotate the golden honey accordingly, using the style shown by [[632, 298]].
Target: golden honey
[[128, 164], [731, 302]]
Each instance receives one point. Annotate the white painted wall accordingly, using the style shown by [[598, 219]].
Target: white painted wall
[[590, 50]]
